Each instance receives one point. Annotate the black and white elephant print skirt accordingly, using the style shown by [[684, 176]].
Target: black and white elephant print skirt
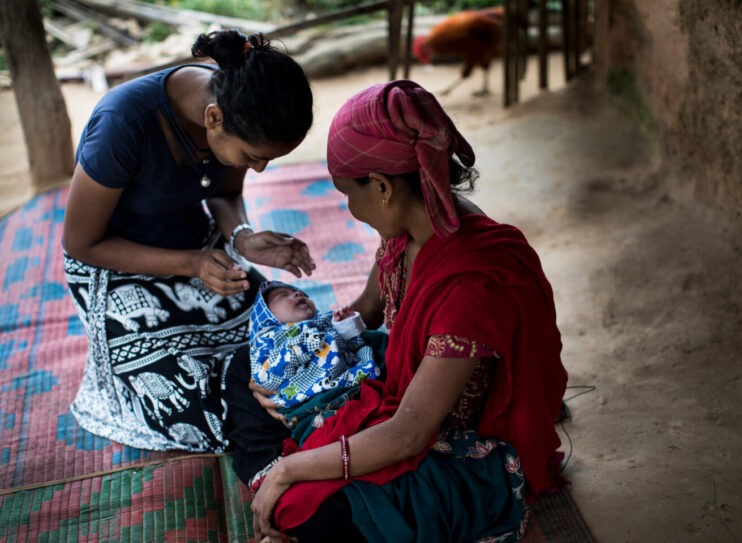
[[153, 376]]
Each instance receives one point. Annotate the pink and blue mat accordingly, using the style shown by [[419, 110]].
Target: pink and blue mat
[[61, 483]]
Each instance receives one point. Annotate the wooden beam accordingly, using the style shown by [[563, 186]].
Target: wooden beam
[[174, 17], [274, 32], [81, 13], [77, 55], [360, 9], [185, 17], [56, 31]]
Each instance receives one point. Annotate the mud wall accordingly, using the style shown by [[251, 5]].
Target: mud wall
[[679, 64]]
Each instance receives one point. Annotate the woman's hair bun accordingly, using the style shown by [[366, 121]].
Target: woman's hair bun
[[228, 47], [257, 41], [263, 93]]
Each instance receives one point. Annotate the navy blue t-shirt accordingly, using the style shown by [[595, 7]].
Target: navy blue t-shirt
[[123, 146]]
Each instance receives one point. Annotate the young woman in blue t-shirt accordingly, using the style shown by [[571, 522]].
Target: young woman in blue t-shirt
[[148, 267]]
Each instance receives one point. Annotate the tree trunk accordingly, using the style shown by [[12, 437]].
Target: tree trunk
[[46, 125]]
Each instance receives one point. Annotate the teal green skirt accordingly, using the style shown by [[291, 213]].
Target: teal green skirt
[[466, 489]]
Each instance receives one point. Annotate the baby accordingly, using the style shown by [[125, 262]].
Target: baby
[[300, 353]]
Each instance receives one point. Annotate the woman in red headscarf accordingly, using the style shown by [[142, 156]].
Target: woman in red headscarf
[[461, 432]]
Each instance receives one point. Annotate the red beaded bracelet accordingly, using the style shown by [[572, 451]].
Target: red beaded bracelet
[[345, 453]]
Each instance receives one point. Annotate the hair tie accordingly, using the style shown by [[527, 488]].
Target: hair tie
[[247, 47]]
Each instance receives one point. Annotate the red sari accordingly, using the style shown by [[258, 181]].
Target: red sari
[[483, 282]]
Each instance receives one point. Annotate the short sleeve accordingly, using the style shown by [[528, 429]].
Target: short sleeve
[[110, 149], [479, 310], [450, 346]]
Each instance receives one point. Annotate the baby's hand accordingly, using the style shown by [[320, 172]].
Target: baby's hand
[[342, 313]]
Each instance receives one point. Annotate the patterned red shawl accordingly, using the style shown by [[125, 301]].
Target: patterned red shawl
[[483, 282]]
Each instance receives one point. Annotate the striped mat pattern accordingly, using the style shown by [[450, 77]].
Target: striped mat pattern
[[61, 483], [181, 500]]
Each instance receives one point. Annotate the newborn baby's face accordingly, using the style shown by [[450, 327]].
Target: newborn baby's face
[[289, 305]]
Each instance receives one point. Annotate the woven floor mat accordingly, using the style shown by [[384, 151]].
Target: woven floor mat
[[42, 355], [237, 501], [168, 497], [178, 500], [556, 519], [191, 499]]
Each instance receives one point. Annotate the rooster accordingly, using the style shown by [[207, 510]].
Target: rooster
[[473, 36]]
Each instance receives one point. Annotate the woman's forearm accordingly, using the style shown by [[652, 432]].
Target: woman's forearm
[[228, 207], [370, 450], [115, 253], [228, 212], [437, 384]]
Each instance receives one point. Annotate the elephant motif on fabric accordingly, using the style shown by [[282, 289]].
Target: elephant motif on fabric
[[194, 295], [188, 434], [158, 389], [215, 425], [132, 301], [197, 371]]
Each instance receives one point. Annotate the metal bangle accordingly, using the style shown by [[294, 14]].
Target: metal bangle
[[237, 229], [345, 454]]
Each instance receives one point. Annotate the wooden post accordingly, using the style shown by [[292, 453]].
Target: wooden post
[[566, 39], [46, 125], [576, 36], [394, 11], [408, 45], [510, 52], [506, 99], [543, 46], [583, 31], [521, 38]]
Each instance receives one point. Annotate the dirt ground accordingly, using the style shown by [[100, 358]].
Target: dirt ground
[[646, 285]]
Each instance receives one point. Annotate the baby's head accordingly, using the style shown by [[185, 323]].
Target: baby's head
[[289, 304]]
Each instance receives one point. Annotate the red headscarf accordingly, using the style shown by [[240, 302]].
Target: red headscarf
[[397, 128]]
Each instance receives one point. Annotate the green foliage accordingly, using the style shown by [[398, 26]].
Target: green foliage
[[3, 62], [244, 9], [46, 8], [452, 6], [328, 5], [158, 32]]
